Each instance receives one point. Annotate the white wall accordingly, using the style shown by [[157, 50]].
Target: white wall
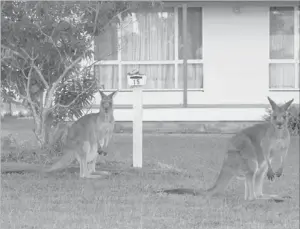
[[193, 114], [236, 52], [163, 97]]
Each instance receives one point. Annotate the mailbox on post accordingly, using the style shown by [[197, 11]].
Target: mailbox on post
[[136, 81]]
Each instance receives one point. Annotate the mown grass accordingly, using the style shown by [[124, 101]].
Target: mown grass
[[129, 199]]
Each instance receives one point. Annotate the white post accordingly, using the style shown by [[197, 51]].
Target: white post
[[136, 81], [137, 127]]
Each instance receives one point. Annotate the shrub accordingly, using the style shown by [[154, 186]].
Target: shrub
[[293, 119]]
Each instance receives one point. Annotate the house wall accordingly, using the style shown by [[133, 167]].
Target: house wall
[[236, 72]]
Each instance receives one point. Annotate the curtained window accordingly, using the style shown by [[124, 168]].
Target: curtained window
[[151, 41], [284, 48]]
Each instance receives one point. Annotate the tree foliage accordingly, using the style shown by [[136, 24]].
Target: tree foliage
[[42, 46]]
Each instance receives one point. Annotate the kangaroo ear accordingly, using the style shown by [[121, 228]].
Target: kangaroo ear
[[273, 104], [287, 104], [113, 93], [102, 94]]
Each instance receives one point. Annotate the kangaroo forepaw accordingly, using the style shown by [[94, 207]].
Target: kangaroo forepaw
[[279, 172], [101, 152], [270, 175]]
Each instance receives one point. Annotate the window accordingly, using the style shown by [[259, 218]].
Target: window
[[151, 41], [284, 48], [194, 48]]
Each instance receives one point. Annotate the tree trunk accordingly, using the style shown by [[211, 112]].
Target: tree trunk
[[39, 131], [43, 124], [10, 110], [49, 136]]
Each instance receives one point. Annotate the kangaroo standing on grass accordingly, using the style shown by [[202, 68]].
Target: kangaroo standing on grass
[[85, 139], [250, 154]]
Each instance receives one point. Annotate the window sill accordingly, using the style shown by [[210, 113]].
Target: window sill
[[190, 106], [284, 89], [155, 90]]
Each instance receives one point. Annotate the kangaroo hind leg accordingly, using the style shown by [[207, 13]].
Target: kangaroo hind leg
[[92, 168], [85, 170], [249, 186], [259, 181], [249, 169], [92, 164]]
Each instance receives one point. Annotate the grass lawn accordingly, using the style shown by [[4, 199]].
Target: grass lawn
[[128, 199]]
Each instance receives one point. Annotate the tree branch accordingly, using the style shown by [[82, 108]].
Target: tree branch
[[28, 56], [31, 103], [18, 83], [13, 51], [118, 15], [55, 84], [96, 17], [36, 68], [27, 86], [38, 71], [50, 39]]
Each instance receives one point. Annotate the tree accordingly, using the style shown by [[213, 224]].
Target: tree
[[42, 46]]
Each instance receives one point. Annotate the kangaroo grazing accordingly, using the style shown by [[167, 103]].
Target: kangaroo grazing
[[249, 157], [85, 140]]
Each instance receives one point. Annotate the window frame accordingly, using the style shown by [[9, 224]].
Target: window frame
[[296, 60], [176, 62]]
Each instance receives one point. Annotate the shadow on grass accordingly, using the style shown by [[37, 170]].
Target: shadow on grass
[[182, 191], [195, 192], [114, 169], [6, 168]]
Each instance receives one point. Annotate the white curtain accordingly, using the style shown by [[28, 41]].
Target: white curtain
[[106, 48], [194, 48], [107, 76], [282, 47], [194, 76], [282, 76], [194, 30], [149, 35]]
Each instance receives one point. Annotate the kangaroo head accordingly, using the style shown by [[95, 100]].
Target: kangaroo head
[[279, 113], [106, 104]]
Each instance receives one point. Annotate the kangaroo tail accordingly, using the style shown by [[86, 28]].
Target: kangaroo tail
[[62, 163], [224, 177], [222, 181], [220, 185], [16, 167]]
